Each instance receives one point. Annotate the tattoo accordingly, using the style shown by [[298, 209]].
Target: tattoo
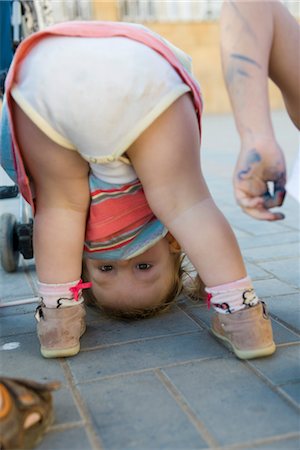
[[245, 59], [252, 158], [248, 29], [243, 73]]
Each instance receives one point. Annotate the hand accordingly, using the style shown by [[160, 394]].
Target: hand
[[259, 180]]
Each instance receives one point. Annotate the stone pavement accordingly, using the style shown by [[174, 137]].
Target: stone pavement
[[164, 382]]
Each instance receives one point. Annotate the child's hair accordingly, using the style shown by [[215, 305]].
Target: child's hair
[[184, 283]]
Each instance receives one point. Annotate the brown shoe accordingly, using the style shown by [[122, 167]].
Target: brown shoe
[[247, 332], [59, 330]]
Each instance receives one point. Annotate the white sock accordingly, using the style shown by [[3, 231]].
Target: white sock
[[62, 295], [231, 297]]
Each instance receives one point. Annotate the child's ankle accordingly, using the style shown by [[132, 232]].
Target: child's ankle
[[232, 297], [62, 295]]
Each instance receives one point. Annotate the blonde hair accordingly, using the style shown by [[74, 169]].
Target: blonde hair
[[185, 282]]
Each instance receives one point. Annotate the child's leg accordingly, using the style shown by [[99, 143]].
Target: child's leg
[[166, 158], [60, 179]]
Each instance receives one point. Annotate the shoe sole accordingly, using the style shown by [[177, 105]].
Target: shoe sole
[[63, 352], [246, 354], [60, 353]]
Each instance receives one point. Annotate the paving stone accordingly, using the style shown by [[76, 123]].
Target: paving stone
[[251, 242], [146, 354], [287, 309], [18, 309], [17, 324], [65, 410], [16, 286], [270, 252], [282, 444], [271, 287], [75, 439], [247, 224], [227, 397], [137, 412], [282, 367], [287, 271], [20, 357], [293, 390], [256, 272], [107, 331]]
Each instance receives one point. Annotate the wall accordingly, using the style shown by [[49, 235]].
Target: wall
[[201, 41]]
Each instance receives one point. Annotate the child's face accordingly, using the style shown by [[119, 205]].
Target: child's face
[[141, 282]]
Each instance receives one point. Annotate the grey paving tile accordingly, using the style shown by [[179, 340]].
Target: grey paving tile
[[285, 270], [254, 227], [65, 410], [227, 397], [103, 330], [290, 221], [137, 412], [239, 234], [270, 252], [24, 360], [287, 237], [14, 286], [17, 324], [282, 444], [75, 439], [287, 309], [146, 354], [282, 367], [293, 390], [18, 309], [256, 272], [270, 287]]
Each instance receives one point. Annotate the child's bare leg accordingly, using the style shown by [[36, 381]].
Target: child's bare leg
[[60, 179], [167, 160]]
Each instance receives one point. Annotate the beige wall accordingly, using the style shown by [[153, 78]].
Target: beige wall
[[201, 41]]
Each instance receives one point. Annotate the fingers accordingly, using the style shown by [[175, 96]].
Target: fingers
[[263, 214], [270, 201], [259, 207]]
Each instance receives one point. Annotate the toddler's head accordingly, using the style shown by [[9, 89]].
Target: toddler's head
[[137, 287]]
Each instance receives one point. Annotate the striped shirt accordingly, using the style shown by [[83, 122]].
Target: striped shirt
[[120, 224]]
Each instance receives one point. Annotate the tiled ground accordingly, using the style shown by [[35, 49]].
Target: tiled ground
[[165, 383]]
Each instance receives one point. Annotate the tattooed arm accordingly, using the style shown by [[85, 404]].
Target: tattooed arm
[[254, 35]]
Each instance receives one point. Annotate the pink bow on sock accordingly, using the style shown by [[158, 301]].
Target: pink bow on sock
[[76, 290]]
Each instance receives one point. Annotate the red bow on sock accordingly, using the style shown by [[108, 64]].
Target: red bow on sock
[[208, 299], [76, 290]]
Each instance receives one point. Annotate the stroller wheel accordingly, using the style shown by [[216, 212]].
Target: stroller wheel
[[9, 253]]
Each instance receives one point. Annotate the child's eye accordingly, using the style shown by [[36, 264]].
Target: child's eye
[[144, 266], [106, 268]]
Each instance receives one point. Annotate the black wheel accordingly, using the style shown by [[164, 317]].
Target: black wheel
[[9, 253]]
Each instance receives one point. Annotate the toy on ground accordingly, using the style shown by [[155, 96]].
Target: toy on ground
[[26, 411]]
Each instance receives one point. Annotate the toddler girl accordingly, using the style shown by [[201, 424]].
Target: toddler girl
[[105, 122]]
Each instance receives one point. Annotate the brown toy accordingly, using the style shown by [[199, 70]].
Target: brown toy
[[26, 412]]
